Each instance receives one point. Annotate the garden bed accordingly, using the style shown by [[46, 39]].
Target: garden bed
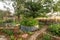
[[47, 36]]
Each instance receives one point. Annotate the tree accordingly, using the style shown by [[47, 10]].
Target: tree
[[19, 5], [36, 9], [57, 6], [33, 9]]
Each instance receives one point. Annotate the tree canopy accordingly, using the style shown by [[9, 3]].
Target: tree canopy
[[38, 8]]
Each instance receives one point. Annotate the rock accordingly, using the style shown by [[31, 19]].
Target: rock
[[28, 29], [24, 35]]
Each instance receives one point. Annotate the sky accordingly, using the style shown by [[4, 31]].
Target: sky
[[6, 3]]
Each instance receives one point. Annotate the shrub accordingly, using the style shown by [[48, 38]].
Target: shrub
[[8, 32], [46, 37], [34, 10], [55, 29], [41, 24], [29, 22], [9, 21], [12, 37], [1, 21]]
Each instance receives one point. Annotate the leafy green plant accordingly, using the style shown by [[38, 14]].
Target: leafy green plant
[[29, 22], [55, 29], [12, 37], [8, 32], [1, 21], [46, 37]]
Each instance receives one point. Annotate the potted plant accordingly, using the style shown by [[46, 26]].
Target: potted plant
[[29, 24]]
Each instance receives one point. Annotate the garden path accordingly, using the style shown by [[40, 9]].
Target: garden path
[[2, 37], [37, 33]]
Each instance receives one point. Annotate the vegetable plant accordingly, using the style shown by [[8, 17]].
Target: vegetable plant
[[29, 22]]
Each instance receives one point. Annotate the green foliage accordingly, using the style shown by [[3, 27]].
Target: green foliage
[[32, 6], [9, 21], [8, 32], [3, 14], [57, 6], [1, 21], [46, 37], [33, 9], [55, 29], [19, 7], [41, 24], [28, 22], [12, 37]]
